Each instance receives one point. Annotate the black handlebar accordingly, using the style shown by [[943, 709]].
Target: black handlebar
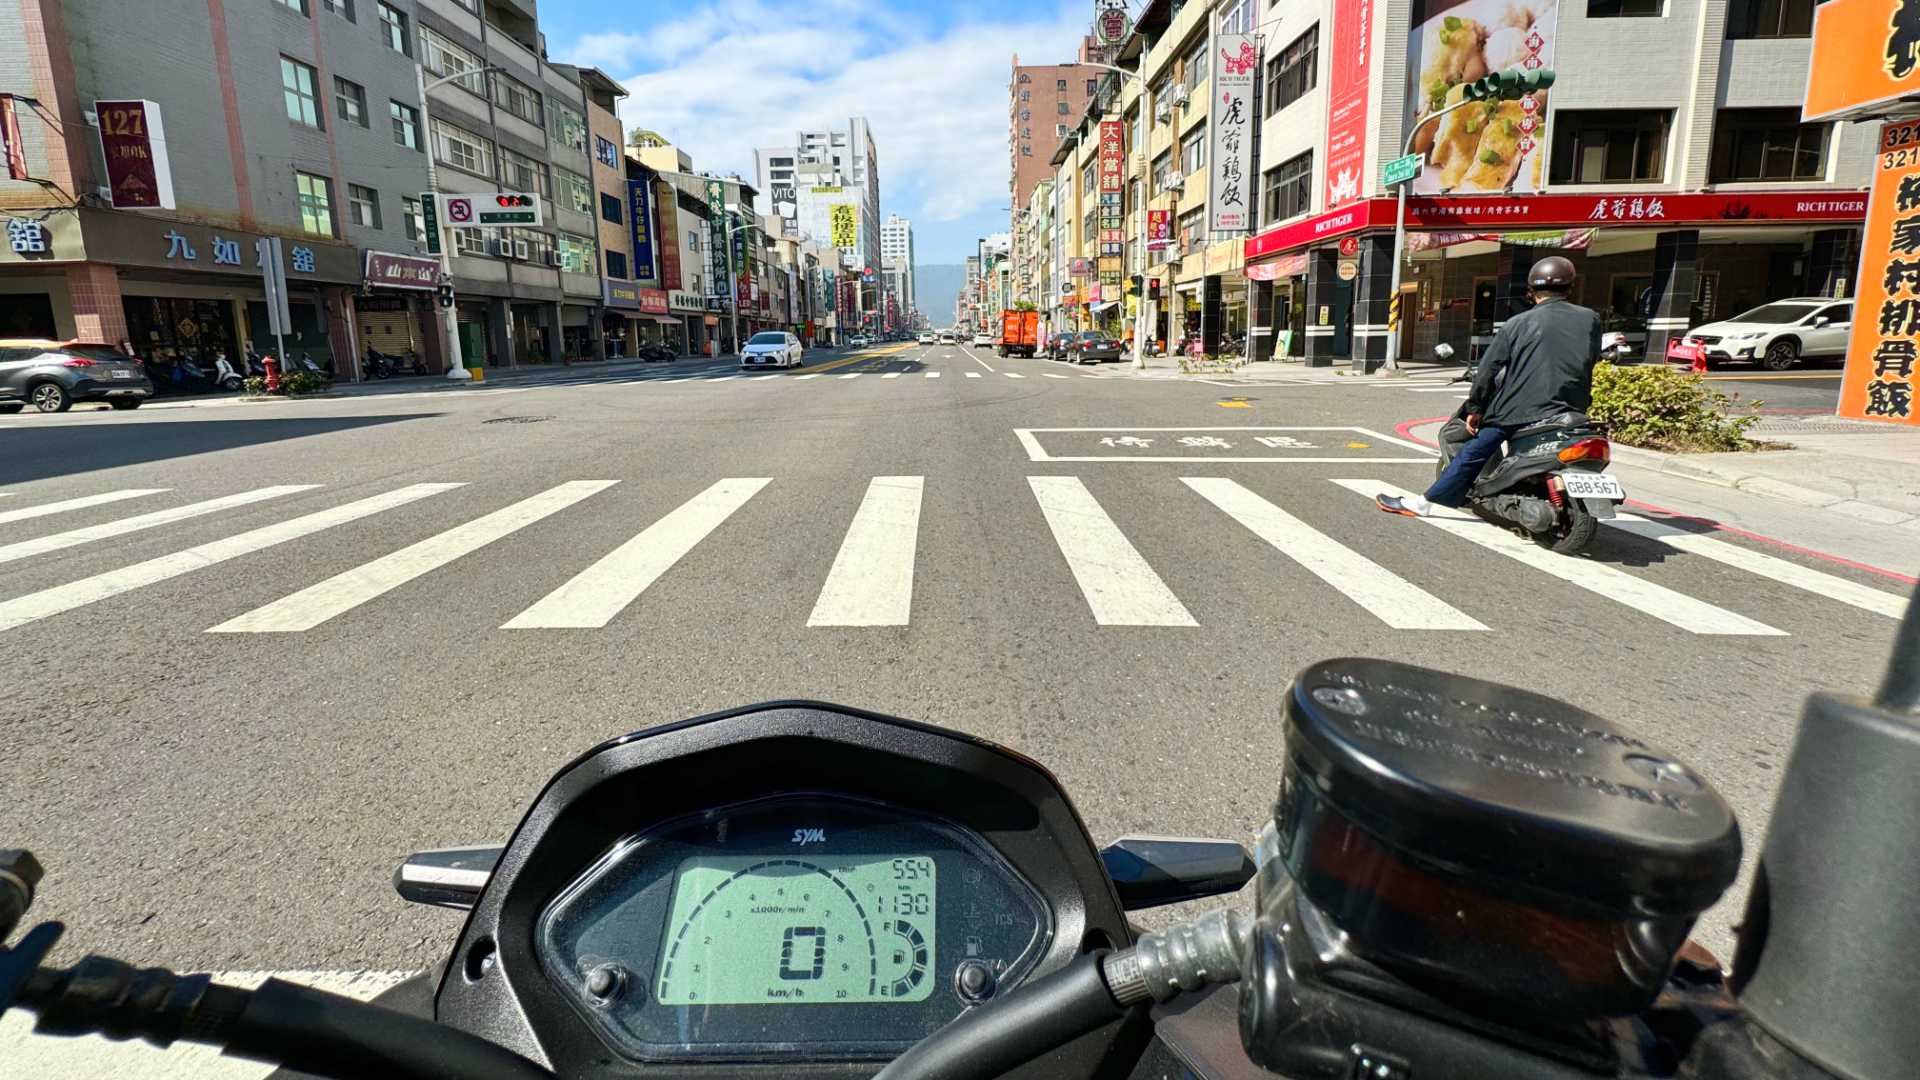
[[279, 1023]]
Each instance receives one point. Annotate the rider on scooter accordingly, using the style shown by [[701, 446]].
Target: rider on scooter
[[1547, 354]]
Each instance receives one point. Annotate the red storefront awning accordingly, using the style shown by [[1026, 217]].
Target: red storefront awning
[[1481, 213]]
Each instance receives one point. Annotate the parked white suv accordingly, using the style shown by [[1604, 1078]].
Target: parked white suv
[[1778, 335]]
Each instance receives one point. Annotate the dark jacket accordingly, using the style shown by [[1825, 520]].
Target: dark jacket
[[1548, 353]]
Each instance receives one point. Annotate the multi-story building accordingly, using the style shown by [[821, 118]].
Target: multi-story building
[[506, 120], [297, 121], [1044, 103], [896, 260], [621, 220], [827, 187], [690, 322], [1667, 161]]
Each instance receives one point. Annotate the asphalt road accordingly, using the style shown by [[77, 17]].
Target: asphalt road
[[237, 800]]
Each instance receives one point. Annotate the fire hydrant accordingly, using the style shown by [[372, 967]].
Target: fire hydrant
[[1699, 359], [273, 375]]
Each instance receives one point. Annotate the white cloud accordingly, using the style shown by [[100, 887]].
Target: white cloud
[[734, 75]]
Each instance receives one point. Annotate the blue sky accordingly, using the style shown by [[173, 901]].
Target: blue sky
[[721, 77]]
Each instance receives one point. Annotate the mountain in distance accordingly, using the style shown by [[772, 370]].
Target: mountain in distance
[[935, 287]]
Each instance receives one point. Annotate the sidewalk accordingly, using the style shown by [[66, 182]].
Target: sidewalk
[[1167, 366], [1862, 470]]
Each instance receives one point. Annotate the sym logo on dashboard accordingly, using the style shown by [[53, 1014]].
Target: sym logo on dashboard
[[802, 837]]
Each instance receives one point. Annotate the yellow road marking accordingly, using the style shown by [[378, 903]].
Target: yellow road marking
[[1233, 404]]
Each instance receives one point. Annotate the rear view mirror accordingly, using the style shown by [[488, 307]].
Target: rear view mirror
[[1821, 321]]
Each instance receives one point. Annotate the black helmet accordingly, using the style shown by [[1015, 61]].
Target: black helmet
[[1552, 272]]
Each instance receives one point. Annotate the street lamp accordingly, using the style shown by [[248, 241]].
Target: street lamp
[[1139, 76], [457, 371]]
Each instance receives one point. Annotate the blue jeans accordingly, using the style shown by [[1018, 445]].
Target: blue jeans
[[1454, 483]]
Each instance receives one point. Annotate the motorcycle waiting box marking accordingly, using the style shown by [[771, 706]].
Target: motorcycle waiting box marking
[[1030, 438]]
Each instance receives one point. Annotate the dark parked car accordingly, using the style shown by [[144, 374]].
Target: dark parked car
[[52, 375], [1059, 346], [1093, 347]]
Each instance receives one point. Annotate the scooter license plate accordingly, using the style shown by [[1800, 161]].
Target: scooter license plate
[[1593, 486]]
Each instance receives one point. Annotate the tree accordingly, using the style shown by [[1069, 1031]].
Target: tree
[[1024, 305]]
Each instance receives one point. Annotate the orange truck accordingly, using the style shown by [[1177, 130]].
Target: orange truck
[[1019, 333]]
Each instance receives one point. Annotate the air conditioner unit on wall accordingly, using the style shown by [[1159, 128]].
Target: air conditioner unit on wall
[[519, 248], [1180, 95], [497, 246], [556, 259], [1176, 183]]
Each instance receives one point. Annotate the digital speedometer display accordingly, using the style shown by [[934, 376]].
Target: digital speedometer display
[[744, 929], [803, 926]]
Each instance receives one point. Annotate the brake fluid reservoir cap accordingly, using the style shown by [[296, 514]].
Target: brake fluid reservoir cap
[[1504, 785]]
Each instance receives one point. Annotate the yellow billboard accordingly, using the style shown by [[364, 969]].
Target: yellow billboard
[[846, 226]]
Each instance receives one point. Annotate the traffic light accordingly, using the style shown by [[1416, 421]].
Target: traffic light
[[1133, 285], [1153, 289], [1509, 85], [514, 202], [444, 292]]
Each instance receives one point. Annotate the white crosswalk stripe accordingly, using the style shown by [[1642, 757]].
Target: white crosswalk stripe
[[871, 583], [891, 375], [1118, 584], [1767, 566], [804, 378], [1644, 596], [343, 592], [1389, 597], [1013, 375], [35, 606], [851, 375], [1050, 375], [44, 509], [603, 590], [973, 375], [933, 374], [871, 579], [42, 544]]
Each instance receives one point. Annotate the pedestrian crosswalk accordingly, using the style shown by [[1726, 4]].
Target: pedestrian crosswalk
[[1688, 580]]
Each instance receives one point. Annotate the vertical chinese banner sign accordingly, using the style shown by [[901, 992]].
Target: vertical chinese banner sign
[[1113, 182], [640, 225], [1883, 346], [1349, 70], [717, 238], [1235, 62], [1159, 230], [134, 145]]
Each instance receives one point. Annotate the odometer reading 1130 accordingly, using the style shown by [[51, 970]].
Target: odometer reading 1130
[[755, 928]]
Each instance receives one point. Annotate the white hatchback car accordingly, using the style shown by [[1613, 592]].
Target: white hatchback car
[[927, 338], [984, 339], [1778, 335], [773, 348]]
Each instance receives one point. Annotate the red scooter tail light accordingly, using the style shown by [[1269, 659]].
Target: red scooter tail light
[[1493, 846], [1596, 450]]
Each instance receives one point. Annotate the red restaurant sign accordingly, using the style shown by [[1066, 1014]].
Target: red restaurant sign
[[401, 271], [1349, 74], [139, 177], [1521, 212], [653, 301]]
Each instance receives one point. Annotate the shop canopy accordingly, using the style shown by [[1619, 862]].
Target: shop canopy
[[1102, 305], [664, 320]]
